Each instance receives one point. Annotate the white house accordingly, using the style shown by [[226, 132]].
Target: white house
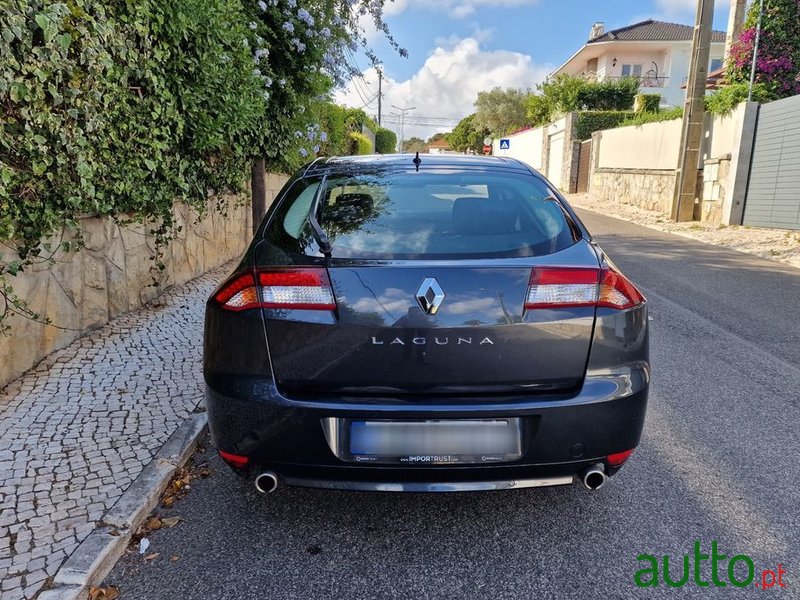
[[655, 52]]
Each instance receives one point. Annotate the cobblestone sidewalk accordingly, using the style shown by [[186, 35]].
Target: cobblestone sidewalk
[[78, 429]]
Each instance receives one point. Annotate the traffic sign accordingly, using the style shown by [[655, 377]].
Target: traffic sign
[[505, 144], [487, 141], [487, 149]]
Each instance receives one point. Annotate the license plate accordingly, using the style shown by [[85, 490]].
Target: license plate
[[435, 442]]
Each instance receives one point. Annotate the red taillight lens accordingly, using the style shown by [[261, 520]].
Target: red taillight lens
[[302, 289], [617, 292], [558, 287], [618, 459], [563, 287], [234, 460], [239, 294]]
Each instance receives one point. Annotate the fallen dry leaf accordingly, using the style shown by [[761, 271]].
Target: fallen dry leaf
[[170, 521], [153, 523], [109, 592], [152, 556], [174, 558]]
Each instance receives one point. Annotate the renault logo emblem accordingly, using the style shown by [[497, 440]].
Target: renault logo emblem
[[430, 296]]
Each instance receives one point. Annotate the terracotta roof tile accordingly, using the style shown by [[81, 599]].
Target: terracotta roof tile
[[650, 31]]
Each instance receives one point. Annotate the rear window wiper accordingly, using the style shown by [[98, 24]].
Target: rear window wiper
[[319, 233]]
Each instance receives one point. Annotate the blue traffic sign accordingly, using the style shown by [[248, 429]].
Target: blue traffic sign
[[505, 144]]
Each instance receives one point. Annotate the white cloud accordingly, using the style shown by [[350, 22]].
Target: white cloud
[[447, 84]]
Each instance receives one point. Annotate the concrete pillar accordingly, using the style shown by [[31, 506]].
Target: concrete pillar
[[569, 168], [746, 116]]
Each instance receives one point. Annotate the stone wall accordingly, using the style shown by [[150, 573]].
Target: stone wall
[[649, 189], [113, 274], [715, 182]]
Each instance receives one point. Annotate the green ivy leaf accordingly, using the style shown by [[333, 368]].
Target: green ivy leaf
[[64, 40]]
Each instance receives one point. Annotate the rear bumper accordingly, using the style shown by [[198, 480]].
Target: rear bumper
[[460, 485], [562, 436]]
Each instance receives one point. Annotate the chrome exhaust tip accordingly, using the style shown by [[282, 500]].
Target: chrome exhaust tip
[[594, 477], [267, 482]]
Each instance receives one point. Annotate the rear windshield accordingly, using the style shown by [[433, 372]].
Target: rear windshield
[[424, 216]]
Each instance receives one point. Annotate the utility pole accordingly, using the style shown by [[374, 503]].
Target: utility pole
[[402, 115], [735, 25], [693, 116], [380, 95]]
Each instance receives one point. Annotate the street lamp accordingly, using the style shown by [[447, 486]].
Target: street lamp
[[403, 112]]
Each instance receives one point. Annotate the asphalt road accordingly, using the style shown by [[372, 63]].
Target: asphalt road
[[718, 462]]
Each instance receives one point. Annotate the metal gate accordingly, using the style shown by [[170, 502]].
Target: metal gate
[[583, 166], [773, 190]]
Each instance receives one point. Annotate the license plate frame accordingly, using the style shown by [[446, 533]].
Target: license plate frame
[[428, 442]]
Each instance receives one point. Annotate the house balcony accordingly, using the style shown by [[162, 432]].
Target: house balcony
[[645, 81]]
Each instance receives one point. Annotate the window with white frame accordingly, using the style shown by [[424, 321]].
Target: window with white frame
[[631, 70]]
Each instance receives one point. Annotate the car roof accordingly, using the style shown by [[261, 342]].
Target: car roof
[[402, 162]]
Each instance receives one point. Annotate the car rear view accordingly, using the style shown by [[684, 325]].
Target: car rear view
[[434, 325]]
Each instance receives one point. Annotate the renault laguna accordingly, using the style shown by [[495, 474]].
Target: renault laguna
[[428, 323]]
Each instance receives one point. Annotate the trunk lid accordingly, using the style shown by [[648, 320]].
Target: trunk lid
[[477, 338]]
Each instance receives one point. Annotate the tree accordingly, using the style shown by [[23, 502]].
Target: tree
[[414, 144], [778, 59], [501, 111], [300, 50], [467, 136], [438, 136], [385, 141]]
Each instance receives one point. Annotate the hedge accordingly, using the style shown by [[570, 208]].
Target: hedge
[[597, 120], [608, 95], [360, 144], [648, 103], [643, 118], [101, 115], [385, 141], [122, 108]]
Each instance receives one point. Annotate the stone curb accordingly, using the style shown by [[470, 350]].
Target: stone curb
[[94, 558]]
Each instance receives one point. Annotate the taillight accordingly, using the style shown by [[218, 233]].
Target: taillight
[[558, 287], [239, 293], [569, 287], [617, 292], [618, 459], [300, 289], [234, 460]]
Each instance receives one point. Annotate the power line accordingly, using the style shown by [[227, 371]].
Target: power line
[[439, 119], [370, 101]]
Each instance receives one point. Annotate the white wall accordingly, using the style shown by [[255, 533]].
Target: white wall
[[651, 146], [720, 133], [525, 146]]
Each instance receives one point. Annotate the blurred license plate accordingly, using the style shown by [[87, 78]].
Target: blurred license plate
[[435, 442]]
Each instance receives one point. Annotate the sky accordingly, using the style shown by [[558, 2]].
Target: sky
[[457, 48]]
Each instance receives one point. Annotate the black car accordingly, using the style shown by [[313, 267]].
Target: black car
[[438, 323]]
